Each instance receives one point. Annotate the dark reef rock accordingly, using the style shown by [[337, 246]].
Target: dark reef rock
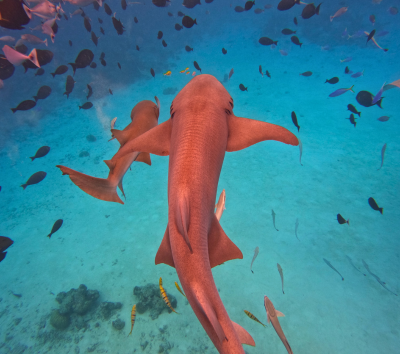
[[118, 324], [107, 309], [77, 301], [150, 299], [59, 321]]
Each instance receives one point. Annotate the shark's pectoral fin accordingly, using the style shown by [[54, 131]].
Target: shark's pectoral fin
[[99, 188], [164, 253], [279, 314], [144, 157], [182, 219], [121, 135], [244, 132], [220, 247], [244, 336]]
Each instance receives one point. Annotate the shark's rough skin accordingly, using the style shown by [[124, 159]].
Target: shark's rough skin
[[201, 129]]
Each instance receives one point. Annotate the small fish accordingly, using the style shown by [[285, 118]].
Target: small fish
[[179, 289], [168, 73], [164, 43], [90, 92], [152, 72], [383, 118], [254, 257], [254, 318], [273, 219], [137, 48], [287, 31], [295, 21], [294, 120], [358, 74], [283, 52], [16, 295], [86, 105], [377, 278], [193, 73], [330, 265], [188, 49], [372, 19], [183, 71], [347, 70], [133, 315], [119, 65], [110, 91], [55, 227], [339, 12], [39, 72], [43, 151], [164, 296], [342, 220], [378, 96], [220, 206], [24, 106], [281, 274], [34, 179], [260, 70], [296, 227], [224, 51], [159, 35], [332, 81], [62, 69], [230, 74], [351, 262], [267, 73], [267, 41], [352, 120], [346, 60], [242, 88], [376, 43], [374, 205], [196, 66], [42, 93], [382, 155], [188, 22], [296, 41], [371, 34], [353, 109], [341, 91], [306, 74]]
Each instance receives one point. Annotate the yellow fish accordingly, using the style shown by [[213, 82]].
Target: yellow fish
[[164, 296], [133, 315], [252, 317], [179, 289], [168, 73], [184, 70], [188, 72]]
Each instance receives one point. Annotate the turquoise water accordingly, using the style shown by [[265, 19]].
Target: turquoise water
[[111, 247]]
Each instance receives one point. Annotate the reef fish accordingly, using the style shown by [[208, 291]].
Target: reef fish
[[254, 318], [165, 297], [133, 315], [281, 274], [24, 106], [42, 151], [372, 203], [341, 91], [294, 120], [273, 218], [5, 242], [254, 258], [55, 227], [339, 12], [43, 93], [34, 179], [341, 220], [331, 266], [382, 156]]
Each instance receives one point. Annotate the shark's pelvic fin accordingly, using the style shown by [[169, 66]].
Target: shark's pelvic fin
[[244, 336], [164, 253], [220, 247], [144, 157], [244, 132]]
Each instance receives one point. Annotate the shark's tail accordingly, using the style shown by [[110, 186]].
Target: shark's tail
[[99, 188]]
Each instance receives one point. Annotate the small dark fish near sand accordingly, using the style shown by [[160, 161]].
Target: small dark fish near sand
[[273, 219], [332, 81], [306, 74], [34, 179], [352, 119], [55, 227], [242, 88], [197, 66], [342, 220], [330, 265], [281, 274], [294, 120], [230, 73], [372, 203], [382, 155], [43, 93], [24, 106], [5, 242], [43, 151], [351, 262], [377, 278], [383, 118], [353, 109], [254, 257], [86, 105]]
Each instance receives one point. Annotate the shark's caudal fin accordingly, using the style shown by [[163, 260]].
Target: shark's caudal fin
[[244, 132], [221, 249], [244, 336], [99, 188]]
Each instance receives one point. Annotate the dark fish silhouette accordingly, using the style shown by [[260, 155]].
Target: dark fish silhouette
[[188, 49], [294, 120], [330, 265], [383, 118], [230, 73], [342, 220], [70, 43], [267, 41], [103, 62], [332, 81], [161, 3], [43, 93], [39, 72], [95, 39], [352, 120], [374, 205], [34, 179], [242, 88], [371, 35], [5, 242], [43, 151], [24, 106], [135, 19], [287, 31], [90, 92], [55, 227], [267, 73], [86, 105], [188, 22], [6, 68], [93, 65], [260, 70], [164, 43], [178, 27], [346, 70], [119, 65], [123, 4], [159, 35], [196, 66], [86, 22], [107, 9], [152, 72], [306, 74], [296, 41], [69, 85], [44, 57], [353, 109], [170, 14], [377, 278], [351, 262], [295, 21], [224, 51], [310, 10], [239, 9], [118, 26], [190, 4], [84, 58], [100, 20], [110, 91], [248, 5], [102, 55], [287, 4], [181, 14], [13, 15], [365, 98], [62, 69]]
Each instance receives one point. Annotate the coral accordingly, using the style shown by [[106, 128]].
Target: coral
[[107, 309], [150, 299], [59, 321], [77, 301], [118, 324]]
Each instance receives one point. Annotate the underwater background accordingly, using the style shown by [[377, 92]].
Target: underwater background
[[110, 247]]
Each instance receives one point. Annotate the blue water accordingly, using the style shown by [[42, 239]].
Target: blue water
[[111, 247]]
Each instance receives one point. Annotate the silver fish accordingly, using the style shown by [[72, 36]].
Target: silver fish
[[301, 149], [330, 265], [351, 262], [382, 155], [377, 278], [281, 274], [273, 219], [254, 257]]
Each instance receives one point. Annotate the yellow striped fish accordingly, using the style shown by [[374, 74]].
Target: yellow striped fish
[[253, 317], [133, 315], [165, 297], [179, 289]]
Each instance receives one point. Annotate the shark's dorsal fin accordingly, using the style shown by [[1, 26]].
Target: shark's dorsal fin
[[182, 219], [244, 336], [164, 253], [220, 247], [244, 132]]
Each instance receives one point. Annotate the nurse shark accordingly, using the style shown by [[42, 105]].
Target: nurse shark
[[201, 128]]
